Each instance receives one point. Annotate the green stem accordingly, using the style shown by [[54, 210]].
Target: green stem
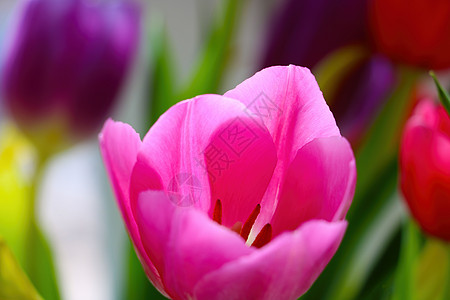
[[38, 256], [446, 293], [376, 163], [408, 255], [366, 251], [32, 236], [383, 138], [138, 285]]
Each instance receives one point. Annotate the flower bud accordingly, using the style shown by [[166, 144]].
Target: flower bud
[[425, 168], [413, 32], [64, 66]]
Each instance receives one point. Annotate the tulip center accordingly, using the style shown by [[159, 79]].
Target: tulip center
[[263, 237]]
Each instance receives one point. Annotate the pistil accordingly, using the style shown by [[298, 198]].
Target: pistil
[[217, 215], [250, 221], [263, 237]]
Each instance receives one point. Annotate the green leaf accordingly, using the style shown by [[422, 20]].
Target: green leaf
[[381, 144], [443, 94], [138, 286], [208, 74], [14, 284], [364, 243], [39, 264], [404, 287], [212, 65], [364, 249], [17, 218], [163, 81], [367, 237], [432, 276], [14, 155], [336, 67]]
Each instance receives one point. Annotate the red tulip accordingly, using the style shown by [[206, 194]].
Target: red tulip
[[415, 32], [425, 168]]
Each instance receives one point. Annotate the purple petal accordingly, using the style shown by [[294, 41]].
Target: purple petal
[[361, 94], [305, 31], [67, 61]]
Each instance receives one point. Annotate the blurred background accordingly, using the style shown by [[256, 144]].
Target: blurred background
[[77, 209], [190, 47]]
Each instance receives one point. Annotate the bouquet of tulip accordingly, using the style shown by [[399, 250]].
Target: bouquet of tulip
[[325, 175]]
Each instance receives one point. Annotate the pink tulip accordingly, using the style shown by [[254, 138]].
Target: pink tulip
[[241, 196]]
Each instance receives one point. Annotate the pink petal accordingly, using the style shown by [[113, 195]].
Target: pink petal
[[290, 104], [143, 177], [154, 214], [119, 145], [283, 269], [320, 184], [177, 144], [240, 160], [288, 101], [183, 242]]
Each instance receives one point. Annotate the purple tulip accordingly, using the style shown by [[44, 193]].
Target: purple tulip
[[361, 94], [305, 31], [308, 32], [65, 64]]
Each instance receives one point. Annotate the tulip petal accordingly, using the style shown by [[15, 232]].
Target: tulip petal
[[443, 121], [361, 94], [187, 261], [143, 177], [304, 32], [105, 63], [412, 32], [153, 216], [178, 143], [288, 101], [283, 269], [29, 95], [68, 60], [425, 173], [176, 238], [240, 160], [119, 145], [428, 114], [320, 184]]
